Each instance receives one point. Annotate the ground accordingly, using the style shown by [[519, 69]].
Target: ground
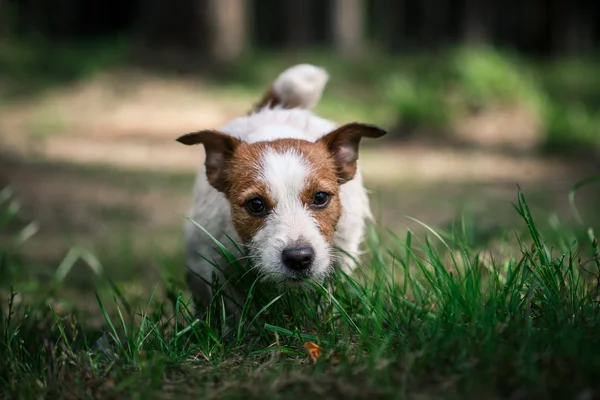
[[95, 165]]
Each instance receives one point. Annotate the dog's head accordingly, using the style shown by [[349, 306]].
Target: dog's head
[[284, 194]]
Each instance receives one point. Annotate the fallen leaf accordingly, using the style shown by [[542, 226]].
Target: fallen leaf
[[313, 349]]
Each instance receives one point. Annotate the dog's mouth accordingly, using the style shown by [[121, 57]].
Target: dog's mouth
[[293, 281], [296, 279]]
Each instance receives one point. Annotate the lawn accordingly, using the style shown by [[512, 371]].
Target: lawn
[[498, 302], [428, 315]]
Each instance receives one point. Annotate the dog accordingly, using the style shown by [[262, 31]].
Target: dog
[[282, 182]]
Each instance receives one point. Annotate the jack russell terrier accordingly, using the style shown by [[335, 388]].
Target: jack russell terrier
[[282, 182]]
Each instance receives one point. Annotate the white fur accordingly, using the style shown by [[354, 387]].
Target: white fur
[[290, 222], [284, 174], [301, 84], [278, 123]]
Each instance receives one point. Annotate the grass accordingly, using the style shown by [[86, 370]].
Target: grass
[[30, 67], [573, 119], [426, 316], [562, 94], [463, 80]]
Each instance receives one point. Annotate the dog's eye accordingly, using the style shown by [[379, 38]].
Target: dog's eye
[[256, 207], [321, 199]]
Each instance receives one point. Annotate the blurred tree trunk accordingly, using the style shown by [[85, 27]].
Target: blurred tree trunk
[[532, 17], [64, 18], [389, 23], [4, 19], [162, 31], [476, 22], [433, 15], [574, 28], [227, 29], [299, 23], [348, 26]]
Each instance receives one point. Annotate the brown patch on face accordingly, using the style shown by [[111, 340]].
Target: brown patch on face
[[244, 184], [242, 177], [323, 178]]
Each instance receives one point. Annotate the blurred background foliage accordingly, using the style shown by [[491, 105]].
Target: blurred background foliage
[[434, 61]]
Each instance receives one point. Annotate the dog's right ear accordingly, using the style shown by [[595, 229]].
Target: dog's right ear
[[219, 148], [343, 144]]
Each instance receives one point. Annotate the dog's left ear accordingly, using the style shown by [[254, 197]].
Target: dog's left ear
[[343, 144], [219, 148]]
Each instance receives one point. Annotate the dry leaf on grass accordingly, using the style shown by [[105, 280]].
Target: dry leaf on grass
[[313, 350]]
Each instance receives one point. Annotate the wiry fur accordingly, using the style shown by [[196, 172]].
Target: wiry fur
[[283, 173]]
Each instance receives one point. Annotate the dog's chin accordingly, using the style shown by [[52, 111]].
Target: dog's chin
[[288, 277], [313, 275], [293, 278], [294, 281]]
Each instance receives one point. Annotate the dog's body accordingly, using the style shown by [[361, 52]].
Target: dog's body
[[283, 182]]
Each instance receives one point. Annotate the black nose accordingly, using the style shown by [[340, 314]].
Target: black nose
[[298, 258]]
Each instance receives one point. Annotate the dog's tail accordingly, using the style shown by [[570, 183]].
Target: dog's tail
[[300, 86]]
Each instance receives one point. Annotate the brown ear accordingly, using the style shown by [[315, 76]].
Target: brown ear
[[219, 149], [343, 144]]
